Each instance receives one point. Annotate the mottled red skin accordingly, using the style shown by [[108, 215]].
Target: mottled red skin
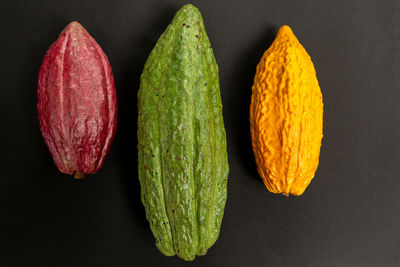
[[77, 103]]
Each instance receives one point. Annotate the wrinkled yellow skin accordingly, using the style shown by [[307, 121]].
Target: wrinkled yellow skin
[[286, 116]]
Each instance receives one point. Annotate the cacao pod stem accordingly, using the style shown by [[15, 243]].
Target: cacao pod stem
[[79, 175]]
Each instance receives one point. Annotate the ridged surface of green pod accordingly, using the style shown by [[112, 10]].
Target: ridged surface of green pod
[[182, 154]]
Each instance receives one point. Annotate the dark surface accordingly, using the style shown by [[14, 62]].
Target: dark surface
[[348, 216]]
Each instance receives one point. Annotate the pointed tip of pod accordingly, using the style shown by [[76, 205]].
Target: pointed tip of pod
[[285, 31], [189, 7], [74, 26], [189, 10], [285, 34]]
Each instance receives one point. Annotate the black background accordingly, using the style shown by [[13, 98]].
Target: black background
[[348, 216]]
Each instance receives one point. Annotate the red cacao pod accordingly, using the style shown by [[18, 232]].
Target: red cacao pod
[[77, 103]]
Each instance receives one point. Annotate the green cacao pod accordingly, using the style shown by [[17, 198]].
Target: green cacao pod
[[183, 164]]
